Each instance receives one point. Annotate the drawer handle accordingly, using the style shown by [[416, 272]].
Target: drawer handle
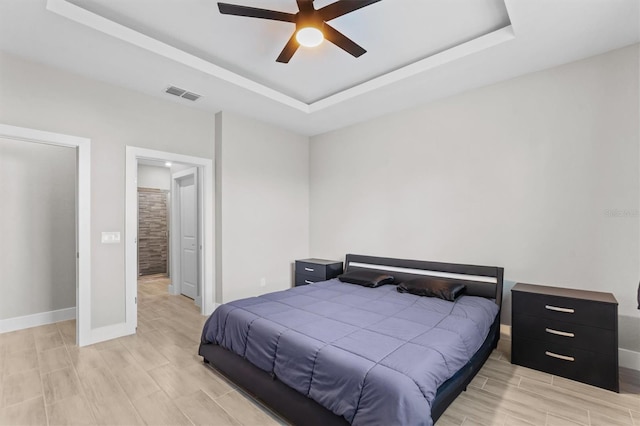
[[557, 309], [308, 282], [562, 357], [559, 333], [309, 269]]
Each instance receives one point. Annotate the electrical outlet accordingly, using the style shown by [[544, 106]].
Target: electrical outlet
[[263, 282]]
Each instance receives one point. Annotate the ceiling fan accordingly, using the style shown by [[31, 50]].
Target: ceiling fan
[[311, 24]]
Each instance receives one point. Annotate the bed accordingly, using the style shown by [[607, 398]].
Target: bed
[[333, 353]]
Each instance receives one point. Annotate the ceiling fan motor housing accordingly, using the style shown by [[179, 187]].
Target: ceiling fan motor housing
[[309, 19]]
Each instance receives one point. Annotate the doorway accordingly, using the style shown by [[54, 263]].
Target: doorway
[[191, 227], [169, 226], [82, 223], [154, 203]]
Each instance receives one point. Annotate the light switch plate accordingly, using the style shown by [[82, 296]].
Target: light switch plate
[[111, 238]]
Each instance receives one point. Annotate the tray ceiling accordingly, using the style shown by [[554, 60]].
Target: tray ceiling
[[395, 33]]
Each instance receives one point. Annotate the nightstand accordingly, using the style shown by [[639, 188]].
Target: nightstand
[[566, 332], [309, 271]]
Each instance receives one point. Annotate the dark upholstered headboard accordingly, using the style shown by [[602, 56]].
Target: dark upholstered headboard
[[487, 280]]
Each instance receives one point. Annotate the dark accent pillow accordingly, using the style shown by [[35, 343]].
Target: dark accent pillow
[[366, 278], [442, 288]]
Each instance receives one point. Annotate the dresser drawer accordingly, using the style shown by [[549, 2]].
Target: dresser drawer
[[565, 333], [566, 361], [571, 310]]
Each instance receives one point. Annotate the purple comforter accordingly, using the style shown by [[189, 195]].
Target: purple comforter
[[372, 355]]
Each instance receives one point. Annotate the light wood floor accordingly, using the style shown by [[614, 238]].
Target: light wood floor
[[46, 379], [154, 377]]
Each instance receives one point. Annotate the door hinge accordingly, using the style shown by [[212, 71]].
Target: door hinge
[[135, 300]]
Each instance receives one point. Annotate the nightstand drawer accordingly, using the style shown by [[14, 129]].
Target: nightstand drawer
[[565, 333], [571, 310], [311, 269], [302, 279], [562, 360]]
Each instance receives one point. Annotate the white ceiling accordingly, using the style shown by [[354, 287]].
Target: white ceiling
[[418, 51]]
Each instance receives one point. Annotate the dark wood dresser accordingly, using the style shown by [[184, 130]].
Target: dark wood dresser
[[566, 332], [309, 271]]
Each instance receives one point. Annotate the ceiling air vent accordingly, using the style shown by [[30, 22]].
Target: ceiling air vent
[[191, 96], [173, 90]]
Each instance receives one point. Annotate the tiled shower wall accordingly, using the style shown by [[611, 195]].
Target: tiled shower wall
[[152, 231]]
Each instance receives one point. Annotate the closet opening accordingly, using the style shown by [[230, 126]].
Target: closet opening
[[45, 223]]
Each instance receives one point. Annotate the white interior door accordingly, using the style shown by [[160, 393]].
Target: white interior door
[[188, 199]]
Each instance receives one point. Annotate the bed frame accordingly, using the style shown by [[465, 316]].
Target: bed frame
[[298, 409]]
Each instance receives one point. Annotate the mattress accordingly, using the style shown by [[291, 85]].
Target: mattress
[[373, 356]]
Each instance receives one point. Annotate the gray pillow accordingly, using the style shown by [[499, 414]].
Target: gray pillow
[[366, 278], [442, 288]]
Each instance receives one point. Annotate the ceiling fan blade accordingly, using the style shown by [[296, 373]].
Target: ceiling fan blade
[[342, 7], [342, 41], [289, 49], [254, 12], [305, 5]]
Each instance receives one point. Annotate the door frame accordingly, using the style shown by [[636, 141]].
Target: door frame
[[176, 265], [206, 211], [83, 216]]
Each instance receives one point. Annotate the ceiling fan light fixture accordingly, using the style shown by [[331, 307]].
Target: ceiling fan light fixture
[[309, 36], [311, 24]]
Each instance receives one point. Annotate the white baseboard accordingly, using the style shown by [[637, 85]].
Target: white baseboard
[[95, 335], [36, 320], [629, 359], [198, 301], [626, 358], [171, 289]]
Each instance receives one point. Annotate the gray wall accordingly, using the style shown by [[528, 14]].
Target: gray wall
[[45, 98], [530, 174], [154, 177], [262, 202], [38, 228]]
